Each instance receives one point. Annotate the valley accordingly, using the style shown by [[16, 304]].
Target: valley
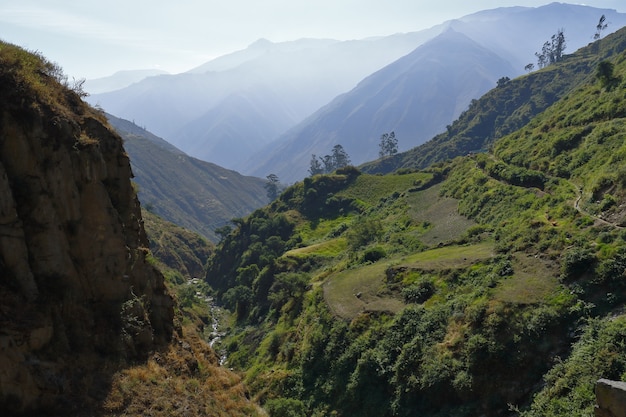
[[478, 271]]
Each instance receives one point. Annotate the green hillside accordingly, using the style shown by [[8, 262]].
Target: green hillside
[[186, 191], [507, 108], [491, 284]]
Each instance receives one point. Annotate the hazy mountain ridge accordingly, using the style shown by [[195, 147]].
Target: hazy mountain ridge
[[239, 121], [415, 97], [188, 110], [291, 82], [119, 80], [526, 30], [503, 110]]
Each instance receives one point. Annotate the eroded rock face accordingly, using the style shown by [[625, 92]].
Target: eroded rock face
[[611, 398], [77, 296]]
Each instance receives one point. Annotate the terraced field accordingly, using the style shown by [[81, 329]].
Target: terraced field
[[440, 212], [358, 290]]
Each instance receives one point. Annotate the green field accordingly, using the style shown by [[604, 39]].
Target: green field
[[369, 189], [533, 282], [329, 248], [354, 291], [440, 212]]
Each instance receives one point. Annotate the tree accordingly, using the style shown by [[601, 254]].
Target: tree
[[502, 81], [329, 164], [558, 46], [388, 145], [600, 27], [316, 166], [223, 231], [529, 67], [552, 50], [363, 232], [340, 157], [542, 58], [604, 73], [272, 186]]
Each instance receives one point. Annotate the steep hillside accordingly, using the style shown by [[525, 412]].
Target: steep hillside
[[195, 194], [87, 325], [506, 108], [182, 251], [423, 92], [237, 122], [489, 285], [77, 288]]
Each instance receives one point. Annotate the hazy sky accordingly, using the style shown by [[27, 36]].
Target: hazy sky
[[94, 38]]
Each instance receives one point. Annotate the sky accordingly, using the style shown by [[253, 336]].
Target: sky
[[96, 38]]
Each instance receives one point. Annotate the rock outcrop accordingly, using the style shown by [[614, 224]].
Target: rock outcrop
[[77, 297], [611, 398]]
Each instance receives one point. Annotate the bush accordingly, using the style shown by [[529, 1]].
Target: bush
[[576, 262], [364, 232], [419, 292], [285, 407], [374, 254]]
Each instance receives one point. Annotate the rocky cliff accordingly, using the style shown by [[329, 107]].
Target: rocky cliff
[[77, 296]]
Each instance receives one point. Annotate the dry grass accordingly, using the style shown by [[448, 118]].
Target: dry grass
[[184, 380], [354, 291], [329, 248], [449, 257]]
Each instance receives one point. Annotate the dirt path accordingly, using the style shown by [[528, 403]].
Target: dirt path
[[579, 196]]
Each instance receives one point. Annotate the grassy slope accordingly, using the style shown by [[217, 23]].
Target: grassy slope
[[195, 194], [452, 333], [466, 273]]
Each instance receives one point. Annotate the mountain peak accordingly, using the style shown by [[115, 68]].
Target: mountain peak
[[261, 43]]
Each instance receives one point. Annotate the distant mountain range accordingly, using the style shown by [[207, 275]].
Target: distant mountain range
[[267, 108], [416, 96], [420, 94], [119, 80], [195, 194], [248, 98]]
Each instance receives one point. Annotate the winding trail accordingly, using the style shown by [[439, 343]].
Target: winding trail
[[579, 196], [578, 189]]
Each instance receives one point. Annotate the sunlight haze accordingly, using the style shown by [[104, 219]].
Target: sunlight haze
[[94, 38]]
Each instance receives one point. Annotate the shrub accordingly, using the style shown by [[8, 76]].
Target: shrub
[[186, 295], [374, 254], [576, 262], [419, 292], [364, 232], [285, 407]]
